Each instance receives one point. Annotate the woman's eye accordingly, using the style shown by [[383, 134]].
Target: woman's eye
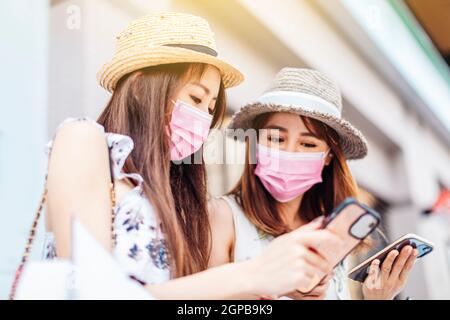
[[195, 99], [309, 145], [275, 139]]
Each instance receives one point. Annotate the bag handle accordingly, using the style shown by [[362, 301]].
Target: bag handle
[[32, 233]]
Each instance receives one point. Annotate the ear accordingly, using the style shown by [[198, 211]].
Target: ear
[[328, 158]]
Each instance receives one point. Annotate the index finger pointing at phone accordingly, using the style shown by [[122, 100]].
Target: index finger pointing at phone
[[324, 242]]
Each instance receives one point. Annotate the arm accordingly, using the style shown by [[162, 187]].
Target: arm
[[285, 264], [228, 281], [79, 185]]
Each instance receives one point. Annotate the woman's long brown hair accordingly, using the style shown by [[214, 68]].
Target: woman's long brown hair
[[261, 208], [140, 108]]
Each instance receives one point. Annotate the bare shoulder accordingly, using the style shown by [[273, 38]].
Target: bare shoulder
[[220, 212], [80, 141], [222, 229], [79, 133], [79, 156]]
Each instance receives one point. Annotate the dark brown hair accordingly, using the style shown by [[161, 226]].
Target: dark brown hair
[[140, 108]]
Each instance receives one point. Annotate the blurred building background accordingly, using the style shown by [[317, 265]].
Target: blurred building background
[[390, 58]]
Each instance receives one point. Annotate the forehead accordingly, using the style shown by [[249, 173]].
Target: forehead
[[289, 121], [211, 73]]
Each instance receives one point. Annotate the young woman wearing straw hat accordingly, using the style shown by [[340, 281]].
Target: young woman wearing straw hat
[[300, 173], [130, 189]]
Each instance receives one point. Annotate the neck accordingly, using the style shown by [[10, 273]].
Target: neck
[[290, 212]]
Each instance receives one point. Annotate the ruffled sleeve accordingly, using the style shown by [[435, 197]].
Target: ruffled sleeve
[[120, 147]]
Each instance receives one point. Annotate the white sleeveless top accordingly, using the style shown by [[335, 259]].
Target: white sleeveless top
[[140, 246], [249, 242]]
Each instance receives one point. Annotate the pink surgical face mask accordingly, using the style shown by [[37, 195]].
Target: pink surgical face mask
[[189, 129], [286, 175]]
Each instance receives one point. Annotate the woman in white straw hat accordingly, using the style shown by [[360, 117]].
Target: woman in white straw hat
[[149, 209], [300, 173]]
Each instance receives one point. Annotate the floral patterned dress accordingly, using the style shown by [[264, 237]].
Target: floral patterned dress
[[140, 248]]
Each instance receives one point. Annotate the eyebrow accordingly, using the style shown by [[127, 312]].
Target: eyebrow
[[282, 129], [201, 86], [276, 127], [308, 134], [204, 88]]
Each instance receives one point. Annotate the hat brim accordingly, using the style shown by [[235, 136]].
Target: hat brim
[[138, 58], [353, 143]]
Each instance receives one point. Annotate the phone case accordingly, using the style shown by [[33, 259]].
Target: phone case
[[352, 222], [360, 272]]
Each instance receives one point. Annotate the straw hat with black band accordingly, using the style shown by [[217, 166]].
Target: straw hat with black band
[[165, 38], [308, 93]]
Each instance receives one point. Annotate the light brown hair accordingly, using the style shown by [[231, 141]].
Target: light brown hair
[[140, 108]]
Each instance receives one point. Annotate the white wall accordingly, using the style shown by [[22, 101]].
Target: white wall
[[77, 53], [23, 121]]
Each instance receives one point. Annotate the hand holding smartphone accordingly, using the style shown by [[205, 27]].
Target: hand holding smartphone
[[352, 222], [360, 272]]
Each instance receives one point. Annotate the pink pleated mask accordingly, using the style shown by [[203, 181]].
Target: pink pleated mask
[[189, 129], [286, 175]]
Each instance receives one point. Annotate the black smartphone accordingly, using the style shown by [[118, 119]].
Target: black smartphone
[[360, 272]]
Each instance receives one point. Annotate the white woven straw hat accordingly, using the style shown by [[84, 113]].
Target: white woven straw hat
[[308, 93], [165, 38]]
